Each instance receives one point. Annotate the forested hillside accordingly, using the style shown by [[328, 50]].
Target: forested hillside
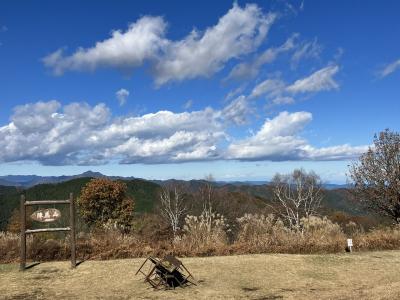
[[145, 194]]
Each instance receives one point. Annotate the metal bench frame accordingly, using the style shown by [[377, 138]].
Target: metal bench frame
[[161, 271]]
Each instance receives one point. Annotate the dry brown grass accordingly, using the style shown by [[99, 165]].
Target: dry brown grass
[[261, 234], [255, 234], [368, 275], [382, 238]]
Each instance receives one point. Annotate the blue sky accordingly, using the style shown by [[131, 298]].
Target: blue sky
[[182, 89]]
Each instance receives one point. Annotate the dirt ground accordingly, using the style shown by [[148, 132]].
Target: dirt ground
[[370, 275]]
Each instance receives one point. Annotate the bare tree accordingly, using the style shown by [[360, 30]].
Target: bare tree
[[376, 176], [206, 192], [298, 195], [173, 206]]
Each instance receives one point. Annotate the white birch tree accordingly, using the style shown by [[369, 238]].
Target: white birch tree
[[173, 207], [298, 195]]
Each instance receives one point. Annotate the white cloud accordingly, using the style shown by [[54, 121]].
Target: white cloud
[[238, 32], [35, 118], [80, 134], [275, 91], [278, 92], [3, 28], [142, 41], [280, 100], [234, 92], [122, 95], [306, 51], [77, 133], [200, 54], [247, 70], [238, 111], [390, 68], [341, 152], [321, 80], [272, 87], [279, 139], [188, 104]]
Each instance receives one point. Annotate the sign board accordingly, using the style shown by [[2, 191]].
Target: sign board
[[46, 215], [349, 243]]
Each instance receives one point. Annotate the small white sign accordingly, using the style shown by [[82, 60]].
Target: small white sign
[[349, 243]]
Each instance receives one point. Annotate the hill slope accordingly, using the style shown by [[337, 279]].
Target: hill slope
[[145, 193]]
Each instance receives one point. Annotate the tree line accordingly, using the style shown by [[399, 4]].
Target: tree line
[[374, 182]]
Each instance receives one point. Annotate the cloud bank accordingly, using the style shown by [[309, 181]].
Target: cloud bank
[[79, 134]]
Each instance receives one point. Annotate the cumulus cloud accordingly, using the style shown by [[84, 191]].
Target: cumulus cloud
[[122, 95], [321, 80], [389, 69], [238, 32], [199, 54], [77, 133], [142, 41], [279, 139]]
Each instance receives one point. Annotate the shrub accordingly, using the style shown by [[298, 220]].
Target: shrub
[[9, 246], [203, 234], [103, 201], [259, 233], [378, 239], [321, 234]]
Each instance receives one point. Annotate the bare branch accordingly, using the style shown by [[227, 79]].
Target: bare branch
[[298, 194]]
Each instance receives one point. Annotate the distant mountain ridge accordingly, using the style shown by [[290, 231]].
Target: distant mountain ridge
[[27, 181], [32, 180]]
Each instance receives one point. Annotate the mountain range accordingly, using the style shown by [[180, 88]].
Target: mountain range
[[27, 181]]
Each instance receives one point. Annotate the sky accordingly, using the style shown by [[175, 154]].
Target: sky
[[182, 89]]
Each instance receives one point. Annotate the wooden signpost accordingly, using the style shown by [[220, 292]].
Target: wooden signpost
[[46, 216]]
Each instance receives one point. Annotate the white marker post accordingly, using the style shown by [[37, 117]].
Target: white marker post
[[350, 244]]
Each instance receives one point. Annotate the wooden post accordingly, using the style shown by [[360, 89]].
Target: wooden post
[[72, 225], [23, 234]]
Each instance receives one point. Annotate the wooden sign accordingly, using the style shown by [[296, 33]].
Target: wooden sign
[[46, 215]]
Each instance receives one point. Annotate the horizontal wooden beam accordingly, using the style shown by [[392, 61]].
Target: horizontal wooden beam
[[47, 230], [47, 202]]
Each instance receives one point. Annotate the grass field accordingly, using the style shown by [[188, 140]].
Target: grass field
[[369, 275]]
